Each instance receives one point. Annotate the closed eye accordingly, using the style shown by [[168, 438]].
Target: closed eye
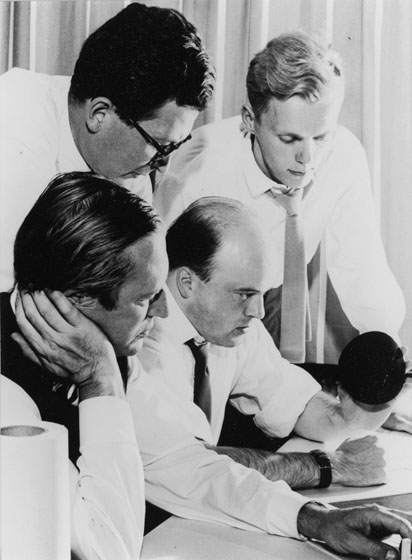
[[244, 296], [288, 139]]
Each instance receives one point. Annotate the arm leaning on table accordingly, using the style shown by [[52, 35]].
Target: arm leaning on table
[[107, 488], [192, 481], [282, 398], [358, 462]]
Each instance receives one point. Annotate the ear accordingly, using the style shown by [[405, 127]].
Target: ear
[[99, 110], [248, 118], [185, 282]]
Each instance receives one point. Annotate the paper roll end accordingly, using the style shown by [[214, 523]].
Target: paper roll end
[[22, 431]]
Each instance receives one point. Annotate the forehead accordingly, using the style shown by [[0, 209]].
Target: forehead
[[241, 263], [172, 121], [299, 116], [149, 265]]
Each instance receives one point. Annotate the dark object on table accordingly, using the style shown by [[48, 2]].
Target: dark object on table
[[372, 369]]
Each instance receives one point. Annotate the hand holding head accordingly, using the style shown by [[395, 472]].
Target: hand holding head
[[55, 335]]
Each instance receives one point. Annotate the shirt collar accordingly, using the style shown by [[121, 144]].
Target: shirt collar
[[184, 330], [256, 180]]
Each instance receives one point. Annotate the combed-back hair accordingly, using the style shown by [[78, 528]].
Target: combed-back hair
[[291, 64], [76, 236], [142, 58], [196, 235]]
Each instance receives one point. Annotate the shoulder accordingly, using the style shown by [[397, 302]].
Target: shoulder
[[17, 80], [31, 95], [346, 144], [211, 143]]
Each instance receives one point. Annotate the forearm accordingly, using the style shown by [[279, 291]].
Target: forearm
[[299, 470]]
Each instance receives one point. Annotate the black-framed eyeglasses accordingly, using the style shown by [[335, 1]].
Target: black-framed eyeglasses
[[162, 150]]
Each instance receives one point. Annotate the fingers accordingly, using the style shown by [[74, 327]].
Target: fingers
[[25, 348], [46, 312], [398, 423], [372, 549], [24, 309], [365, 442], [65, 307], [393, 522]]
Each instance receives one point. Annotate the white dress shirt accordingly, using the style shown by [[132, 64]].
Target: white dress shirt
[[107, 488], [183, 476], [338, 209], [36, 143], [253, 376]]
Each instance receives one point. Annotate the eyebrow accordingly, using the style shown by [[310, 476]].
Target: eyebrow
[[298, 137], [247, 290]]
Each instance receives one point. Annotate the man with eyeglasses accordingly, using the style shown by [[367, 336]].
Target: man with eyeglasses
[[132, 100]]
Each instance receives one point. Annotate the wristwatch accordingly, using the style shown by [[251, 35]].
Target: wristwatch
[[325, 467]]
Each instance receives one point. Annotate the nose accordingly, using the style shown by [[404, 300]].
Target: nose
[[255, 307], [304, 154], [159, 308]]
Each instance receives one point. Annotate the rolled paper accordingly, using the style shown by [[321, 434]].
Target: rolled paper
[[372, 368], [35, 501]]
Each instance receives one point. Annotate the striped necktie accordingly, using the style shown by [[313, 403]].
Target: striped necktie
[[294, 310], [202, 395]]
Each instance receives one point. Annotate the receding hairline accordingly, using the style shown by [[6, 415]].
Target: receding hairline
[[228, 217]]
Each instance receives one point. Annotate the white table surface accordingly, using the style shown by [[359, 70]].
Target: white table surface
[[182, 539]]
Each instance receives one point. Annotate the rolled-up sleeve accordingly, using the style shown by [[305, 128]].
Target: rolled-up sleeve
[[185, 478], [268, 387]]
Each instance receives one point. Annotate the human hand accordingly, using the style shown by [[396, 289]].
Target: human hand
[[401, 417], [356, 530], [362, 416], [358, 462], [56, 336]]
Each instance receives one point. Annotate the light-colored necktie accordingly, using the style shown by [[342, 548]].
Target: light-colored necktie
[[294, 309], [202, 394]]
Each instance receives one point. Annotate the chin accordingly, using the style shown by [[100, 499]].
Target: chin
[[229, 341], [130, 350]]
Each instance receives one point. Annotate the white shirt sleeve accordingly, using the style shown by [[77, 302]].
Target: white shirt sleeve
[[107, 492], [356, 260], [269, 387], [185, 478]]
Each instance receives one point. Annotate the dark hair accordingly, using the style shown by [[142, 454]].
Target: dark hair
[[294, 63], [195, 236], [142, 58], [75, 237]]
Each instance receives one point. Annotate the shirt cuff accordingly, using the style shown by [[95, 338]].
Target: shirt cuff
[[105, 419], [291, 503], [279, 416]]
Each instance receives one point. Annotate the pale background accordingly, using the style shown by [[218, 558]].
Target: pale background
[[374, 38]]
